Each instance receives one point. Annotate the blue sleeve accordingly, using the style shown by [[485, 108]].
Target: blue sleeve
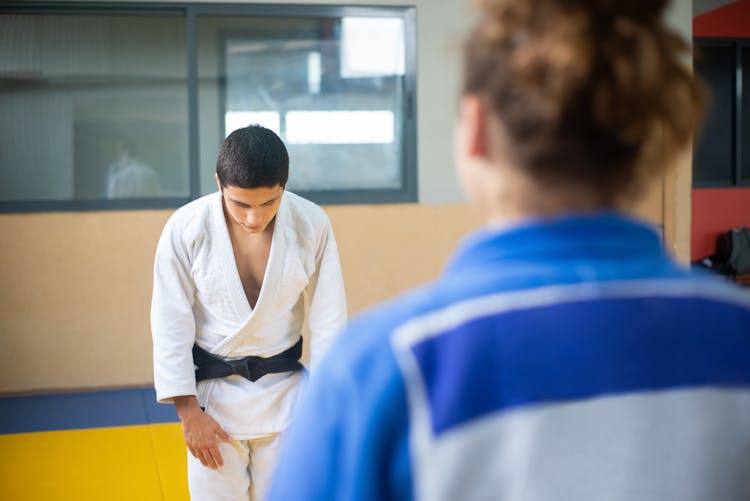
[[349, 436]]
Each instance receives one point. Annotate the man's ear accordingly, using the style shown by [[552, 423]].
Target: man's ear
[[473, 116], [218, 183]]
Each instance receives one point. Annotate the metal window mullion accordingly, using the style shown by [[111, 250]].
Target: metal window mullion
[[193, 102]]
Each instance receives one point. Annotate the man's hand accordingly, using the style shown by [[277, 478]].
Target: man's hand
[[200, 431]]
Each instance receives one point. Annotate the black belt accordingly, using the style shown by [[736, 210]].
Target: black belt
[[211, 366]]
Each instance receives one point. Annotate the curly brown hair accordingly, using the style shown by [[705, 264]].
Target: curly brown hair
[[589, 92]]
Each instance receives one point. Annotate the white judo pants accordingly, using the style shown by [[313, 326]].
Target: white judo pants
[[246, 475]]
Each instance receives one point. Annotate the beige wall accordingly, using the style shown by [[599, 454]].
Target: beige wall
[[75, 290], [678, 182]]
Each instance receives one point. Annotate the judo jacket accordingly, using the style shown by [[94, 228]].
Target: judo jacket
[[198, 298]]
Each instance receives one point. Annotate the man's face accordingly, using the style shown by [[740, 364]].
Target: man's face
[[252, 208]]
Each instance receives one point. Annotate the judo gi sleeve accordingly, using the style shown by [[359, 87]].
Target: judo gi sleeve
[[172, 320], [326, 315]]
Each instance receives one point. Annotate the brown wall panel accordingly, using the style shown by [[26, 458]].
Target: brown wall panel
[[386, 250], [76, 287], [75, 291], [74, 299]]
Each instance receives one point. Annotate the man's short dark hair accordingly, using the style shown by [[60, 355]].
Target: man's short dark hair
[[253, 157]]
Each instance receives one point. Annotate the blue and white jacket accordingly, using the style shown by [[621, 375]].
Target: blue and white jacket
[[565, 359]]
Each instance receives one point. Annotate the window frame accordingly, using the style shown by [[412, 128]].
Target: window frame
[[737, 180], [191, 12]]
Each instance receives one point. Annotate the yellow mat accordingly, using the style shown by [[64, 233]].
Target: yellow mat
[[132, 463]]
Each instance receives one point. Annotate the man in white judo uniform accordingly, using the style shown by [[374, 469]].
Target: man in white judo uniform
[[239, 275]]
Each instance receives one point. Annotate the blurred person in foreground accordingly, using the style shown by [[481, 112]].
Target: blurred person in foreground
[[562, 355]]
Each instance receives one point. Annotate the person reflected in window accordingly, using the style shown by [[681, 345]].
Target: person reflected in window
[[130, 177], [563, 354]]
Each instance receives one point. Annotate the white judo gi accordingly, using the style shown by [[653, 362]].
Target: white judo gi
[[198, 298]]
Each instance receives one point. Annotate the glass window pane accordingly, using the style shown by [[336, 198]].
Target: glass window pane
[[713, 160], [332, 87], [94, 107]]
